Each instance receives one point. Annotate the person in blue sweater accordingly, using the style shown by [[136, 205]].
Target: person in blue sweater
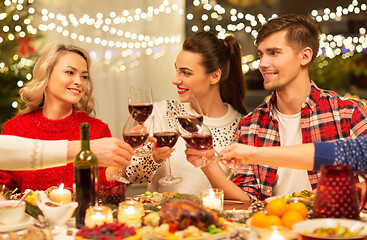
[[304, 156]]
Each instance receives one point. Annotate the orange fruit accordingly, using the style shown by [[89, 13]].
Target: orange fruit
[[291, 217], [272, 220], [299, 207], [276, 207], [258, 219]]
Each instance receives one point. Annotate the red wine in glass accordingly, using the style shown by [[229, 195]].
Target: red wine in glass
[[199, 141], [190, 122], [140, 112], [135, 139], [166, 138]]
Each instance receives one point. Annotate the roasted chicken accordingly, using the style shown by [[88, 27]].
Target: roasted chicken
[[187, 213]]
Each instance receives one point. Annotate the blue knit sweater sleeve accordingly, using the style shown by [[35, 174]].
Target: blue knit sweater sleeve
[[351, 151], [324, 154]]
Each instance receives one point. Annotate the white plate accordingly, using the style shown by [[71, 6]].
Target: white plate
[[269, 199], [312, 224], [26, 222], [211, 237], [234, 229]]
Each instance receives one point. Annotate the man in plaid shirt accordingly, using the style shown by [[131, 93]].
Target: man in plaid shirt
[[297, 112]]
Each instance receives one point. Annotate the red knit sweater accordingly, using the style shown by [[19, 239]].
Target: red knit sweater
[[35, 125]]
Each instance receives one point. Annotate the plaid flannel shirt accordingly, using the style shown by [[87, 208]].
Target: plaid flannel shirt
[[325, 116]]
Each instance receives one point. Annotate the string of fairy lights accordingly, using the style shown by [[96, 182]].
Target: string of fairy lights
[[330, 45], [133, 45]]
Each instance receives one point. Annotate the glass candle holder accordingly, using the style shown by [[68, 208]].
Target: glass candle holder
[[112, 192], [130, 213], [97, 215], [61, 195], [213, 198]]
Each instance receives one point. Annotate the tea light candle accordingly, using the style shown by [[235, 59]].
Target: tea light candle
[[61, 195], [130, 212], [213, 198], [97, 215]]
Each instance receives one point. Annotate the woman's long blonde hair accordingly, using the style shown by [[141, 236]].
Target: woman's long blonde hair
[[33, 92]]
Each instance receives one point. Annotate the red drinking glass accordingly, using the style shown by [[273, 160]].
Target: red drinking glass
[[336, 195], [112, 192]]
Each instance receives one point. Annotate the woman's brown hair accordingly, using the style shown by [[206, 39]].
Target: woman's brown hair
[[225, 55]]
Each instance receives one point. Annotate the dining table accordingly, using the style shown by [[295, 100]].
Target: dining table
[[68, 231]]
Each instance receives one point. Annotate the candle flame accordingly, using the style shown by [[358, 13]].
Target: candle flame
[[61, 186], [211, 193], [130, 210], [276, 235]]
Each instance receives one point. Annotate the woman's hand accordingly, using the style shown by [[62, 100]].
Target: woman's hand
[[195, 156], [160, 153]]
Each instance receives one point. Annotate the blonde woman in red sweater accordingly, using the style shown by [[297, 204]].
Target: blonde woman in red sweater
[[57, 100]]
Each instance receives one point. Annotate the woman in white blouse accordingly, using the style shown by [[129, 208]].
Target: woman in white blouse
[[210, 69]]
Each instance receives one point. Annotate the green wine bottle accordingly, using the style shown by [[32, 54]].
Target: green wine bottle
[[85, 177]]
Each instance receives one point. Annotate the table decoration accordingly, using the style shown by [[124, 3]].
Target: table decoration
[[213, 198], [61, 195], [57, 213], [98, 215], [130, 212], [278, 212], [110, 231]]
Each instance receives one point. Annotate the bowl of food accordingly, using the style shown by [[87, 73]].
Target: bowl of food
[[10, 213], [331, 228]]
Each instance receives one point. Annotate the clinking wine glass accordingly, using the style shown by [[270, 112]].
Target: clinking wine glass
[[134, 134], [188, 113], [140, 108], [199, 137], [166, 137]]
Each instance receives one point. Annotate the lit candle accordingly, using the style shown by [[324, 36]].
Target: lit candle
[[97, 215], [130, 212], [61, 195], [213, 198]]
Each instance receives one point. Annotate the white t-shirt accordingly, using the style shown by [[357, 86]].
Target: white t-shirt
[[290, 180], [194, 180]]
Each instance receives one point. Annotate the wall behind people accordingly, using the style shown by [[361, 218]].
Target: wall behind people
[[114, 67]]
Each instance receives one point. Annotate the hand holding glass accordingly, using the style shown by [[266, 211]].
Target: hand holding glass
[[166, 137], [134, 134], [140, 108]]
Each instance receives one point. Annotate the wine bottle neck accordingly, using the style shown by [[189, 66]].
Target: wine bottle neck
[[85, 138]]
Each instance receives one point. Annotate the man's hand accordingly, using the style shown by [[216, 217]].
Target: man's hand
[[112, 152]]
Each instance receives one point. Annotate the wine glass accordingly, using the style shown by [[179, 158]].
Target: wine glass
[[140, 108], [141, 100], [199, 137], [188, 114], [166, 137], [134, 134], [231, 165]]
